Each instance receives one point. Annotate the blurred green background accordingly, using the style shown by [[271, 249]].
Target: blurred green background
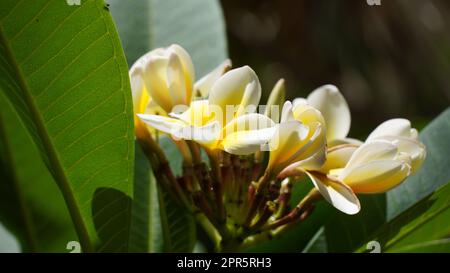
[[389, 61]]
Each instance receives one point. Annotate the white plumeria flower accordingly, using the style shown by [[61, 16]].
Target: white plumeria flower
[[390, 154], [298, 141], [374, 167], [399, 132], [226, 120], [330, 102], [167, 74]]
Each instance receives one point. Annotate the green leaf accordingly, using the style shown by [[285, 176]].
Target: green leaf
[[344, 233], [31, 204], [423, 227], [146, 232], [178, 224], [63, 70], [197, 25], [435, 170]]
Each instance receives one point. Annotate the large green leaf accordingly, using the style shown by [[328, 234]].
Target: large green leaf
[[423, 227], [344, 233], [31, 204], [197, 25], [63, 70], [146, 233], [434, 172], [178, 224]]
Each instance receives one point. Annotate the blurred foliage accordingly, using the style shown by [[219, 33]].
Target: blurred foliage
[[389, 61]]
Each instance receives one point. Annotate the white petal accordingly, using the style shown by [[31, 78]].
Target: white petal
[[247, 122], [286, 113], [330, 102], [372, 151], [377, 176], [164, 124], [338, 157], [176, 82], [393, 127], [336, 193], [238, 87], [203, 86], [415, 149], [247, 142], [206, 135], [155, 78], [188, 66], [299, 101], [347, 140]]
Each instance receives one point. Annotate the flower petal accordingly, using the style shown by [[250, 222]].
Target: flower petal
[[155, 79], [371, 151], [307, 114], [338, 157], [239, 88], [275, 101], [188, 68], [330, 102], [393, 127], [336, 193], [164, 124], [203, 86], [377, 176], [415, 149], [247, 142], [176, 81]]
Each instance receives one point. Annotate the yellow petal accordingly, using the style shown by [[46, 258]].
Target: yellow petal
[[336, 193], [294, 142], [157, 83], [377, 176], [199, 113], [307, 114], [338, 157]]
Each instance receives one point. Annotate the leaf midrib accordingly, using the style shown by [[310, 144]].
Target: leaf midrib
[[56, 168]]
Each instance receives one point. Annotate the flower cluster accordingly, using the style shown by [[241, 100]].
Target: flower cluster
[[256, 154]]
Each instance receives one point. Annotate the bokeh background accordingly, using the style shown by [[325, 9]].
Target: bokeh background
[[389, 61]]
